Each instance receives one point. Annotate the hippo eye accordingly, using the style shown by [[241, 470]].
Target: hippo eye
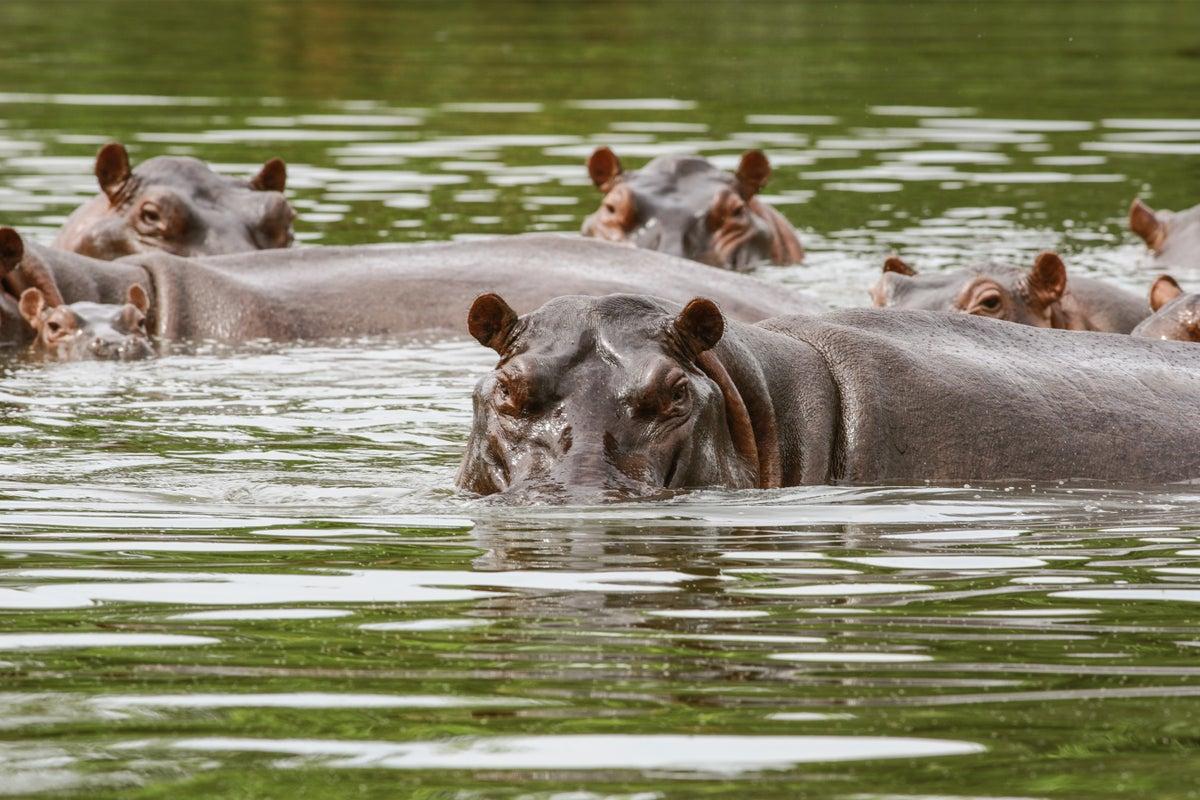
[[990, 302], [150, 214], [53, 326], [610, 208], [141, 324]]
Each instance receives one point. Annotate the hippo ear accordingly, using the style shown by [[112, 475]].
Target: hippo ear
[[31, 304], [1047, 280], [136, 297], [700, 324], [752, 173], [604, 167], [1164, 290], [490, 321], [897, 265], [112, 169], [271, 178], [12, 250], [1146, 224]]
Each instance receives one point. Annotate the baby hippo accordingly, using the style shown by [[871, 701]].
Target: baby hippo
[[1038, 296], [685, 206], [1176, 313], [82, 331], [179, 205], [1172, 236]]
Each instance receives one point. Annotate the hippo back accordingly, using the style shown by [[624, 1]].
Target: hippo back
[[329, 292], [955, 397]]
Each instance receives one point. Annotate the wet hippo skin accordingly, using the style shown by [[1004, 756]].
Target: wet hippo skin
[[1176, 313], [334, 292], [178, 205], [1172, 236], [54, 330], [685, 206], [626, 395], [1040, 295]]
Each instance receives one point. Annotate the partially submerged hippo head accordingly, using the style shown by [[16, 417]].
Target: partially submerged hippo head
[[684, 206], [604, 398], [1028, 296], [1173, 236], [179, 205], [1176, 313], [61, 332]]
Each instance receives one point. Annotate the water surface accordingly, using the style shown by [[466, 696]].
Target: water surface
[[245, 573]]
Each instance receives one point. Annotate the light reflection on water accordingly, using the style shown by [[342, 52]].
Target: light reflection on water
[[246, 571]]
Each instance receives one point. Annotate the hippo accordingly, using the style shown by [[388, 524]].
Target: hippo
[[322, 293], [1038, 296], [178, 205], [685, 206], [622, 396], [1172, 236], [1176, 313], [57, 331]]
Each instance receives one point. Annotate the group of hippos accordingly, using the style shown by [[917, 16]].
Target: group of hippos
[[645, 361]]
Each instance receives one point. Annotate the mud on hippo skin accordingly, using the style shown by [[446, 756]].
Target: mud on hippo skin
[[178, 205], [1172, 236], [685, 206], [1176, 313], [630, 396], [1039, 296]]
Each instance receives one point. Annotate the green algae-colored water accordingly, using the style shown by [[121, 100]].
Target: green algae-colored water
[[245, 573]]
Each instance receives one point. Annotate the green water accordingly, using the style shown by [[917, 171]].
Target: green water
[[245, 573]]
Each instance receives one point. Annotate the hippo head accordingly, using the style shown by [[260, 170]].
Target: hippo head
[[1176, 313], [1030, 297], [684, 206], [604, 398], [178, 205], [1173, 236], [62, 332]]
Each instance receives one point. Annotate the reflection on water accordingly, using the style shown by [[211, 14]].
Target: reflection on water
[[246, 573]]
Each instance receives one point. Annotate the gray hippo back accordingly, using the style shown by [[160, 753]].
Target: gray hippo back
[[337, 292], [178, 205]]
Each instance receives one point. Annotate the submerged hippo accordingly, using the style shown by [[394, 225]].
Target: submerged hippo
[[1038, 296], [336, 292], [57, 331], [684, 206], [1173, 236], [629, 395], [180, 206], [1176, 313]]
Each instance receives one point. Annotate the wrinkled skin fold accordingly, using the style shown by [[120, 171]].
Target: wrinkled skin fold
[[608, 398]]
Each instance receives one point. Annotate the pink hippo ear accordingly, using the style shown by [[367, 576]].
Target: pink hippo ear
[[604, 167], [112, 169], [490, 321], [1164, 290], [1047, 280], [136, 297], [752, 173], [12, 250], [700, 324], [271, 178], [31, 304], [1146, 224], [895, 264]]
